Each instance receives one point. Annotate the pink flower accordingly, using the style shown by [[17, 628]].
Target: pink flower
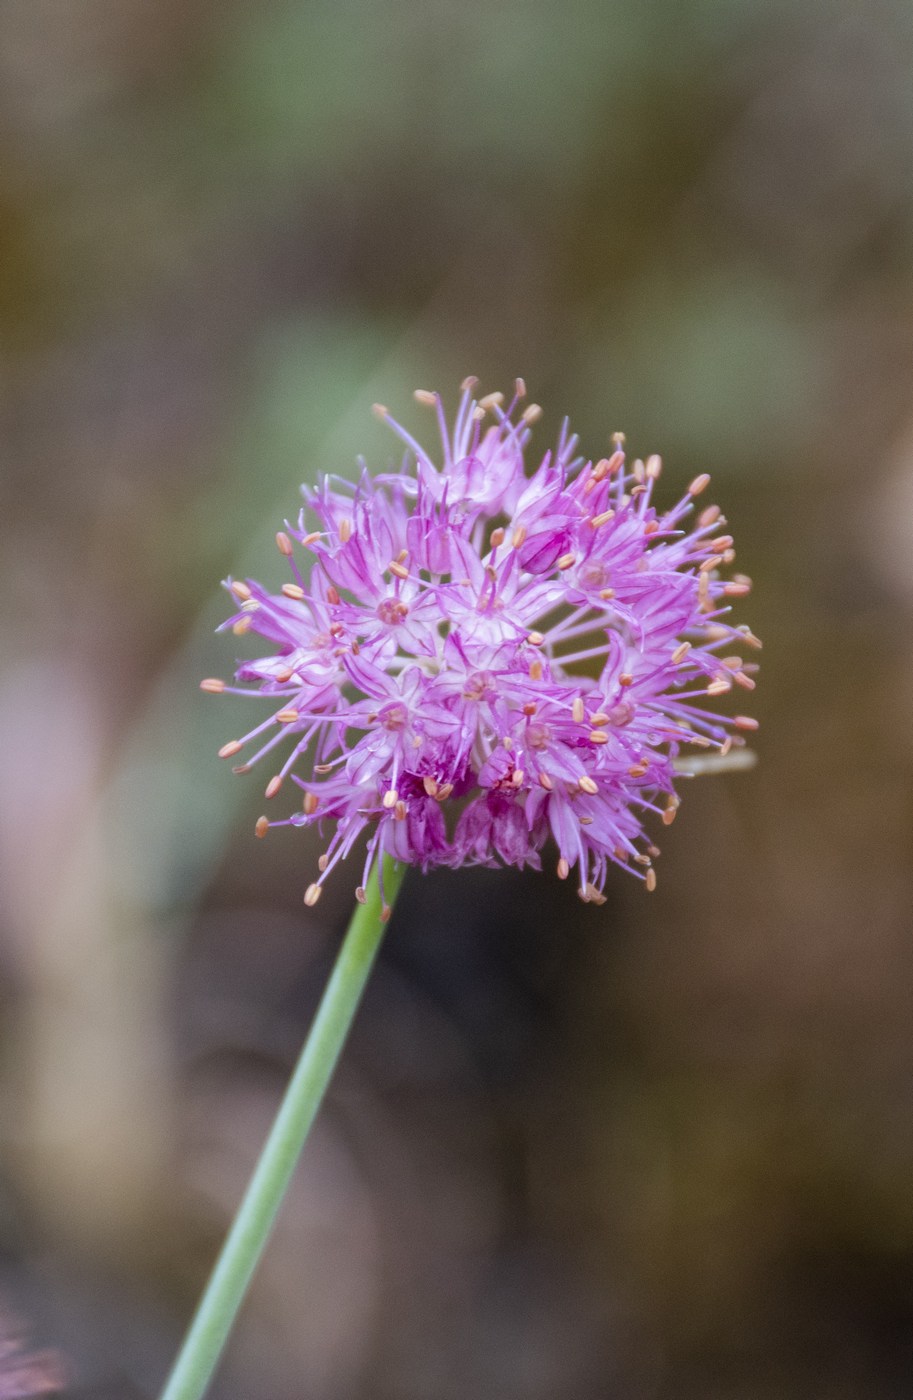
[[530, 654]]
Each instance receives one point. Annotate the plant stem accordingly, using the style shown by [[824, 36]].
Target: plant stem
[[247, 1238]]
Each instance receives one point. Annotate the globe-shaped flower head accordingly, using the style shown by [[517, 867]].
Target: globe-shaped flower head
[[471, 660]]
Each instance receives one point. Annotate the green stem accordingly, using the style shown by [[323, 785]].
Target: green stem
[[247, 1238]]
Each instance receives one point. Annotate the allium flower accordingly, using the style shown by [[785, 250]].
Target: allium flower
[[479, 660]]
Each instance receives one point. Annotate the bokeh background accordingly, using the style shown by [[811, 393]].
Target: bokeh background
[[662, 1150]]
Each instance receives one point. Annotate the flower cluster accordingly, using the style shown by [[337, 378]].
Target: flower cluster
[[478, 659]]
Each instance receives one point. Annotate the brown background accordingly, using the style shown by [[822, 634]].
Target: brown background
[[657, 1151]]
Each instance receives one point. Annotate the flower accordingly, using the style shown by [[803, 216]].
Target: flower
[[480, 659]]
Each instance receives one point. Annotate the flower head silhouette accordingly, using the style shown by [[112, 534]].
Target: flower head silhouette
[[477, 659]]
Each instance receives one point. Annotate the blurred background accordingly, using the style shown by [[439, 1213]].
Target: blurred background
[[660, 1150]]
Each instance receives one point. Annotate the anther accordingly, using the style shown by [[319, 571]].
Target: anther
[[230, 749], [532, 414], [699, 484], [425, 396], [497, 538], [625, 678], [586, 784], [379, 411], [566, 561], [737, 590], [492, 400], [594, 896], [654, 466], [398, 569], [361, 894], [283, 543], [529, 709], [385, 913], [577, 710], [468, 383], [310, 804], [708, 517], [241, 591], [333, 597], [310, 539], [241, 626], [520, 388], [287, 717], [518, 536], [598, 736], [535, 639], [399, 811], [293, 590], [681, 651], [563, 869], [745, 722], [274, 785], [322, 862], [637, 770], [390, 798], [602, 519], [650, 880], [545, 782], [598, 720], [430, 786], [262, 827], [535, 671], [719, 687], [345, 530], [312, 894], [606, 593], [212, 685], [445, 792]]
